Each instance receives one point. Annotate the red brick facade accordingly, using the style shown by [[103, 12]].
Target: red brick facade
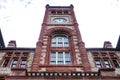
[[60, 53]]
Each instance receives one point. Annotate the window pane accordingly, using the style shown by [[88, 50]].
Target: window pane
[[60, 40], [13, 66], [67, 55], [53, 54], [23, 62], [52, 62], [98, 63], [99, 66], [67, 62], [53, 42], [116, 63], [107, 63], [5, 63], [53, 59], [22, 66], [14, 63], [60, 58], [60, 54], [60, 62], [67, 58]]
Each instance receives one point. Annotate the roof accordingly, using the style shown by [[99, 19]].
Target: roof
[[2, 45], [118, 43], [103, 49], [31, 49], [48, 6]]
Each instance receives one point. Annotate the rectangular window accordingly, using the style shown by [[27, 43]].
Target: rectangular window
[[66, 44], [98, 63], [15, 59], [14, 63], [23, 63], [107, 63], [5, 63], [116, 64], [67, 58], [104, 54], [60, 42], [95, 54], [60, 58], [53, 58], [112, 55], [54, 42]]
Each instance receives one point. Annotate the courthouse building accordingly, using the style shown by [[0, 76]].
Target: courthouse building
[[60, 53]]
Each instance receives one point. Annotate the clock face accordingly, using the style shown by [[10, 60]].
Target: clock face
[[59, 20]]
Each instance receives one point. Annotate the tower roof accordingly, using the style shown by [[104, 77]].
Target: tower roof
[[2, 45], [71, 6], [118, 43]]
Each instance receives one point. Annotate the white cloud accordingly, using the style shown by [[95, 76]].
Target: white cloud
[[98, 20]]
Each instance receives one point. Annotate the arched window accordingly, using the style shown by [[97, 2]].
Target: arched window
[[60, 40], [61, 55]]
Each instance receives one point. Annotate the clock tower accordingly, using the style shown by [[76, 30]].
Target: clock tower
[[60, 47]]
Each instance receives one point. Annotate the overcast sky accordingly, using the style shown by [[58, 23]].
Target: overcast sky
[[99, 20]]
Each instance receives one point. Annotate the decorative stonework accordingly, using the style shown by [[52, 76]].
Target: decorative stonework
[[42, 69], [42, 60], [117, 71], [91, 61], [118, 54], [78, 57], [1, 55], [79, 69], [5, 70], [62, 74], [30, 59], [69, 27], [77, 50]]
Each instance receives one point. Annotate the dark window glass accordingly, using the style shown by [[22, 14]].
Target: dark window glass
[[14, 63], [23, 63], [107, 63], [98, 63], [116, 64], [5, 63]]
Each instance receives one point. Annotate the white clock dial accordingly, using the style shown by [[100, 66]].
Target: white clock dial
[[59, 20]]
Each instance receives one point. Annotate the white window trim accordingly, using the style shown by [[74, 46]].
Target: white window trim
[[108, 63], [63, 41], [56, 56], [100, 63]]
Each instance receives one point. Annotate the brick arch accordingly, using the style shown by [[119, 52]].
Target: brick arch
[[62, 30]]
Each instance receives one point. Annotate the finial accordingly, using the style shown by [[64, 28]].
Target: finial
[[47, 5]]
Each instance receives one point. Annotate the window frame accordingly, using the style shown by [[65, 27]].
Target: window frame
[[100, 63], [108, 63], [59, 58], [116, 65], [56, 40], [14, 65]]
